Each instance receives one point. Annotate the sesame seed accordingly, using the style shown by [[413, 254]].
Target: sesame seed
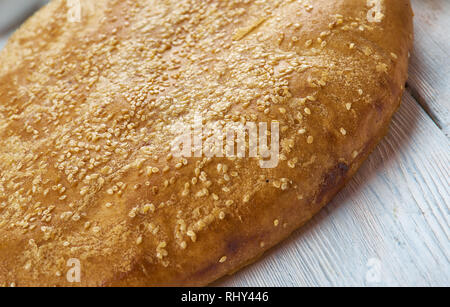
[[139, 241]]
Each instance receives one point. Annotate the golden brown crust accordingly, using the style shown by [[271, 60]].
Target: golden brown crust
[[88, 110]]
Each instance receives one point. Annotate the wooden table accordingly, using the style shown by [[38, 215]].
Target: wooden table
[[390, 225]]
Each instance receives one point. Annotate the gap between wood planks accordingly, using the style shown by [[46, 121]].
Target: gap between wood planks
[[417, 98], [429, 79]]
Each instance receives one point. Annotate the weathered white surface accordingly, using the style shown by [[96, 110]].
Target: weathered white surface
[[388, 227], [430, 61]]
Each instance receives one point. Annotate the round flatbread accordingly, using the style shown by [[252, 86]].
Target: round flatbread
[[99, 101]]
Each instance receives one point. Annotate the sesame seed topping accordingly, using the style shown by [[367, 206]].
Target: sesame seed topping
[[139, 241], [223, 259], [87, 162]]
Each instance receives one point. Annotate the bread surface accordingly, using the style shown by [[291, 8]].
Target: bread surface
[[88, 111]]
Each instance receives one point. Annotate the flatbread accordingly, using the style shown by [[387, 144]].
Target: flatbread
[[92, 99]]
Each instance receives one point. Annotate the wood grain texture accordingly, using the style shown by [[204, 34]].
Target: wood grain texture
[[388, 227], [430, 61]]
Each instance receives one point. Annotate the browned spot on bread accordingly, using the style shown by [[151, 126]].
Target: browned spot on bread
[[334, 178]]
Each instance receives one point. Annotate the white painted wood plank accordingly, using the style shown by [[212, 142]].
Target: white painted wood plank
[[430, 61], [393, 216]]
